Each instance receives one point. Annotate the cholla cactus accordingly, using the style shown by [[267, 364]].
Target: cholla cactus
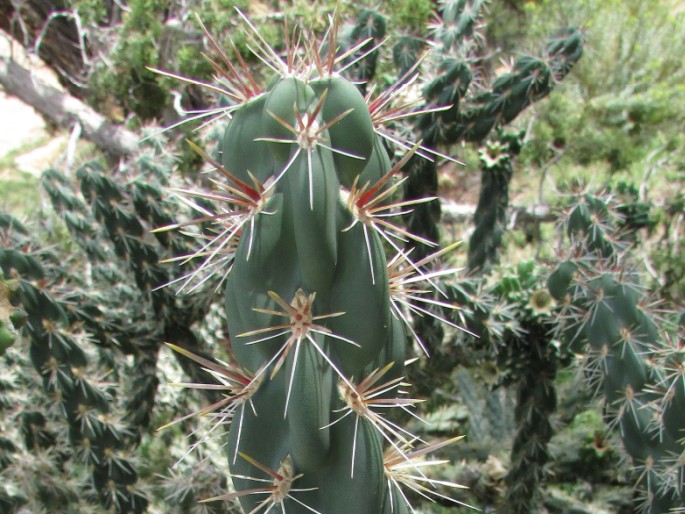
[[635, 355], [112, 306], [491, 214], [465, 107], [462, 107], [75, 391], [528, 358], [511, 314], [316, 319], [367, 35]]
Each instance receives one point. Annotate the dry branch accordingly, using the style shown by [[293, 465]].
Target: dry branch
[[65, 110], [50, 29], [463, 213]]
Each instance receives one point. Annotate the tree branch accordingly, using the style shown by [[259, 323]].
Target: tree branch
[[453, 212], [50, 29], [65, 110]]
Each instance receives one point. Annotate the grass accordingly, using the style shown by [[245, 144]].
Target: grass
[[19, 189], [20, 192]]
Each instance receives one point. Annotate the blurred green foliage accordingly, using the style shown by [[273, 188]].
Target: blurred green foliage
[[154, 34], [410, 15], [628, 96]]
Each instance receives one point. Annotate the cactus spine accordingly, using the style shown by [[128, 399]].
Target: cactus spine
[[315, 321]]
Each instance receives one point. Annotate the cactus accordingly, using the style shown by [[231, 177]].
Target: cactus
[[367, 35], [115, 301], [470, 112], [112, 221], [511, 317], [530, 362], [68, 378], [493, 202], [316, 310], [635, 355], [35, 450], [11, 318]]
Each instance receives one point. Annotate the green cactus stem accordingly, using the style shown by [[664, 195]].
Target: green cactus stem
[[491, 213], [60, 358], [635, 357], [316, 310]]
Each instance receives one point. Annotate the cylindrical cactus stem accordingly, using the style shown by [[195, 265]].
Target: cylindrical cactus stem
[[308, 299], [508, 322], [493, 203], [536, 402], [308, 266]]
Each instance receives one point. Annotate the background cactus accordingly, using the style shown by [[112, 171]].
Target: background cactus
[[508, 322], [70, 382], [474, 109], [635, 354], [491, 213], [529, 361], [100, 295], [115, 235]]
